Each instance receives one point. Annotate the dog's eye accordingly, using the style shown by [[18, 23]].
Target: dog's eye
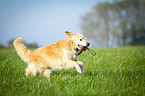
[[80, 39]]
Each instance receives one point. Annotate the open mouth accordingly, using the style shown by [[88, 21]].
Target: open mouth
[[84, 48], [81, 48]]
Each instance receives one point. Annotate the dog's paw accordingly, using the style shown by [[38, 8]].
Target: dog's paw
[[80, 63], [78, 69]]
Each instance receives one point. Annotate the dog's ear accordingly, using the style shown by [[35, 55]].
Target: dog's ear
[[69, 34]]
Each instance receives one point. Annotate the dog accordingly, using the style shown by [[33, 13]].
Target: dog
[[61, 55]]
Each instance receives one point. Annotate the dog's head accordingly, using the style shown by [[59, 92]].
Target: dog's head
[[77, 39]]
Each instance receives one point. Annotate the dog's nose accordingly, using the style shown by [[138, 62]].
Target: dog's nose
[[88, 44]]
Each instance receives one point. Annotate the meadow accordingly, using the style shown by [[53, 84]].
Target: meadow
[[112, 72]]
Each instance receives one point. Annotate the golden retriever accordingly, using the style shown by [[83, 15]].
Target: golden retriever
[[62, 54]]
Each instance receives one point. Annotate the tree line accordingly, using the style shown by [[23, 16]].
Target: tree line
[[115, 24], [10, 45]]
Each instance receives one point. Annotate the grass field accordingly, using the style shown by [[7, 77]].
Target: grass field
[[112, 72]]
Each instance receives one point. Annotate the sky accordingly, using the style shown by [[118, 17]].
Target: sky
[[41, 21]]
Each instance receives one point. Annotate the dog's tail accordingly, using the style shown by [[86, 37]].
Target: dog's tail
[[21, 49]]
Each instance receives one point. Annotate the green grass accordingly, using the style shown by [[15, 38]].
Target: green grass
[[112, 72]]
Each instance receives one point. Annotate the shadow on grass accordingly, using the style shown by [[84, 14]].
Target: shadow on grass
[[90, 74], [73, 73], [63, 73]]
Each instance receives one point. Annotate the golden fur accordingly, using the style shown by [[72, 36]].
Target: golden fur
[[55, 56]]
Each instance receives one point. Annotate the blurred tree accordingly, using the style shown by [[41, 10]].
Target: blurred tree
[[31, 45], [2, 46], [10, 44], [114, 24]]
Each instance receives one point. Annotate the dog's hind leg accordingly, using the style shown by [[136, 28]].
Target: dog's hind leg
[[47, 73], [31, 70]]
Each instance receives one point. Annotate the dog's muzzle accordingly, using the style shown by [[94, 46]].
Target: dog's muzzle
[[87, 45], [82, 48]]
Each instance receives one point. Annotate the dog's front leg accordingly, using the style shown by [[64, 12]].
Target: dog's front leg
[[81, 65], [73, 64]]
